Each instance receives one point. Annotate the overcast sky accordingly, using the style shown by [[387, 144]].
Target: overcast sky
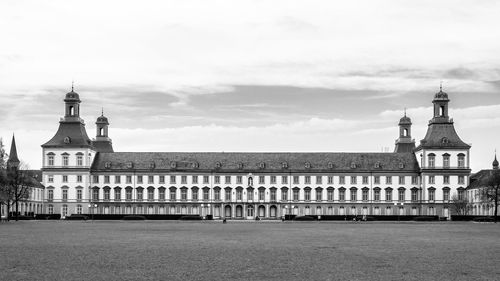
[[250, 75]]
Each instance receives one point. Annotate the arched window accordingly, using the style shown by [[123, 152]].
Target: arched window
[[461, 160], [354, 194], [405, 132], [431, 160], [446, 160], [401, 194], [432, 193]]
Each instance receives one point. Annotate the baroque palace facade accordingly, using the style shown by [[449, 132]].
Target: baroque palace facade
[[84, 176]]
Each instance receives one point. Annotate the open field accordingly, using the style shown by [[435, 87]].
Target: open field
[[146, 250]]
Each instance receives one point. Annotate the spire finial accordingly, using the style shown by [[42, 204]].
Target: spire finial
[[72, 85], [441, 86], [405, 111], [102, 111]]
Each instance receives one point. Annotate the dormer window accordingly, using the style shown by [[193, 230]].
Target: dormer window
[[107, 165], [284, 165], [173, 165], [129, 165], [195, 165], [67, 140], [445, 140], [262, 165], [152, 165], [218, 165], [377, 165], [353, 165], [240, 166], [401, 165], [330, 165], [307, 165]]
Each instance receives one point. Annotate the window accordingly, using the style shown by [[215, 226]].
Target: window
[[388, 195], [414, 195], [250, 194], [432, 193], [376, 194], [319, 179], [284, 194], [354, 193], [461, 180], [79, 160], [319, 194], [128, 193], [118, 194], [79, 194], [239, 194], [432, 160], [284, 179], [446, 161], [401, 194], [95, 194], [206, 179], [446, 179], [217, 179], [65, 195], [128, 179], [329, 194], [217, 194], [184, 195], [151, 179], [51, 160], [365, 179], [162, 179], [461, 160], [173, 194], [106, 194], [330, 180], [273, 179], [431, 179], [414, 180], [139, 179], [50, 178], [172, 179], [51, 210], [151, 194], [342, 194], [353, 180], [388, 180], [79, 209], [206, 194], [295, 194], [64, 210], [446, 194], [296, 180], [365, 194], [401, 180], [106, 179], [161, 193], [307, 194], [194, 194], [118, 179], [227, 180], [96, 179], [228, 194], [261, 180], [64, 178], [262, 194], [183, 179], [273, 195], [65, 160], [461, 194], [376, 179], [139, 194]]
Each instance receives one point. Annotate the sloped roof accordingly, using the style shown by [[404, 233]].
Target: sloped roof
[[102, 146], [480, 178], [13, 152], [231, 161], [442, 135], [74, 130]]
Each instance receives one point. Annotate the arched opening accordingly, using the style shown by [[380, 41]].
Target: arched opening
[[441, 110], [227, 211], [262, 211], [101, 131], [250, 211], [239, 211], [273, 211], [405, 132]]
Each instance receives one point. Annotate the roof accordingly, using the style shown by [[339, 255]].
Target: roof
[[76, 133], [404, 147], [102, 146], [248, 161], [480, 178], [442, 135]]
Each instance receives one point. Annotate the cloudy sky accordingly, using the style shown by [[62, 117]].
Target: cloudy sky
[[250, 75]]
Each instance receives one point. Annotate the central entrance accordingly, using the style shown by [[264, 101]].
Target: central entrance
[[250, 212]]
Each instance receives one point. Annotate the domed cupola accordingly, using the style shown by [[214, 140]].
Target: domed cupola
[[405, 143], [405, 120], [102, 142]]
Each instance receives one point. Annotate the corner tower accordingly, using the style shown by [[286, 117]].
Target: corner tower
[[102, 142], [404, 143]]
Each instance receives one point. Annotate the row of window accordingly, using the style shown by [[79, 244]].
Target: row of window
[[64, 159], [431, 158]]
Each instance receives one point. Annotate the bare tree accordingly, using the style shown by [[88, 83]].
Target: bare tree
[[17, 186], [3, 166], [490, 193], [461, 206]]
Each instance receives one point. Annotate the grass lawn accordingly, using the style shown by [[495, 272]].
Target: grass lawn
[[152, 250]]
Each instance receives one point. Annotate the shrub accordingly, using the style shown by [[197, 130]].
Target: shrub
[[190, 218], [134, 218], [483, 219], [424, 218], [304, 218], [76, 217]]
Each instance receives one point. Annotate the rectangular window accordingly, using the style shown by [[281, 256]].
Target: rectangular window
[[431, 179], [461, 180], [446, 194], [261, 180], [354, 180], [296, 194], [161, 194], [376, 195], [295, 179], [194, 179], [388, 195], [307, 180], [184, 179], [106, 179], [139, 194], [206, 179], [118, 179], [217, 179], [50, 178], [65, 160], [262, 193], [307, 194], [228, 195], [446, 161], [388, 180], [461, 161], [79, 160], [162, 179], [284, 179], [284, 195], [365, 179], [184, 195], [376, 179], [342, 194], [194, 194], [217, 194], [319, 180], [401, 180], [414, 195], [273, 195], [50, 195], [239, 179], [139, 179], [79, 194], [431, 194], [341, 179], [51, 160], [151, 179], [106, 194], [364, 194], [206, 194], [273, 179], [330, 179], [227, 180], [460, 195], [151, 194], [354, 194], [65, 195], [64, 178], [329, 195], [118, 194], [401, 193], [319, 194], [128, 179], [96, 179], [173, 194], [414, 180], [250, 194], [239, 194], [431, 161], [446, 179], [128, 194], [172, 179]]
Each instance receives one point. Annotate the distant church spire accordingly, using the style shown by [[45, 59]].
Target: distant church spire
[[495, 162], [13, 161]]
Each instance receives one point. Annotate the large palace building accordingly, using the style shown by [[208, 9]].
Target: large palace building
[[84, 176]]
